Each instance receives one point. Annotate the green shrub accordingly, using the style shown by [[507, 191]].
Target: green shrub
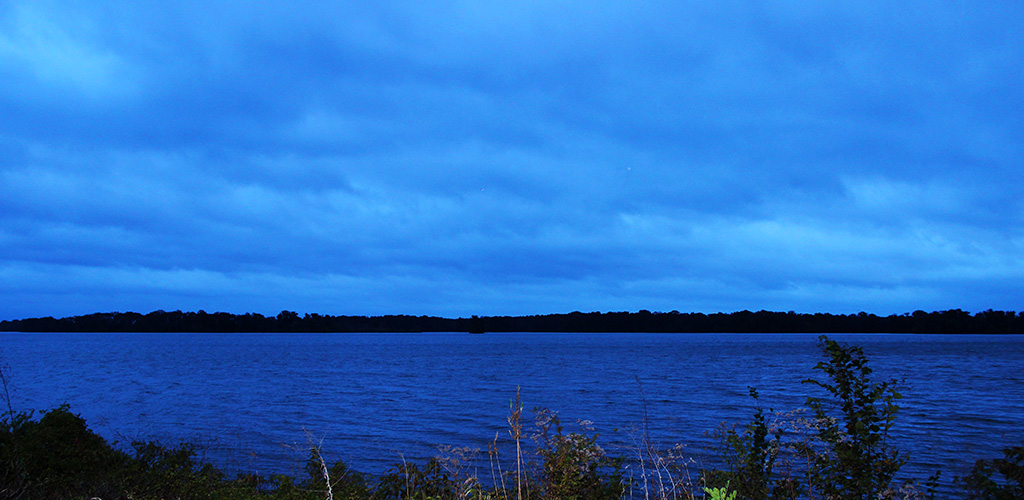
[[407, 481], [981, 484], [750, 457], [57, 456], [573, 466], [13, 477], [855, 460], [720, 493], [346, 484], [155, 471]]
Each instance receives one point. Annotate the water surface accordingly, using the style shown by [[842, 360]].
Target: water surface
[[376, 398]]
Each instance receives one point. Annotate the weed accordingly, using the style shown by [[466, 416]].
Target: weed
[[574, 466], [411, 482], [456, 462], [720, 493], [495, 462], [664, 475], [515, 424], [750, 457]]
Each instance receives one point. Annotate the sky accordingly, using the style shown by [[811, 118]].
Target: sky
[[519, 157]]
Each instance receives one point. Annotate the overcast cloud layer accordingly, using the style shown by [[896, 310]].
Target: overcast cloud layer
[[456, 158]]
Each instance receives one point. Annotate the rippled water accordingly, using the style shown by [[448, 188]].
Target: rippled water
[[375, 398]]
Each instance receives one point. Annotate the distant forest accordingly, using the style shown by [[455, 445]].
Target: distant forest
[[951, 321]]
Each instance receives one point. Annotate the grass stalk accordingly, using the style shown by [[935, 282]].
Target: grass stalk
[[516, 431], [315, 449], [492, 452]]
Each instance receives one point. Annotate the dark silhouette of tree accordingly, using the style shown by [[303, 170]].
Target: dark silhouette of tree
[[948, 322]]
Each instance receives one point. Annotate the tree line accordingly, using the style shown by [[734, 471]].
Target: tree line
[[950, 321]]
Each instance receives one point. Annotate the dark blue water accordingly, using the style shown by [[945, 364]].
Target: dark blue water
[[375, 398]]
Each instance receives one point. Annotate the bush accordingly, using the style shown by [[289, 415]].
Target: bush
[[981, 485], [159, 472], [346, 484], [409, 481], [573, 465], [855, 461], [57, 456], [750, 457]]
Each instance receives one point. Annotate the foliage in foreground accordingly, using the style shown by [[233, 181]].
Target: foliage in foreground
[[839, 451], [998, 479], [857, 462]]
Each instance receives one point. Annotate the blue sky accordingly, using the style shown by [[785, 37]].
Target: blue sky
[[455, 158]]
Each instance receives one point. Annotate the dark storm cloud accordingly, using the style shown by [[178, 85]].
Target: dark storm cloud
[[518, 157]]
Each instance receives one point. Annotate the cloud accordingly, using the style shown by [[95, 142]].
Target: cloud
[[461, 158], [61, 56]]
